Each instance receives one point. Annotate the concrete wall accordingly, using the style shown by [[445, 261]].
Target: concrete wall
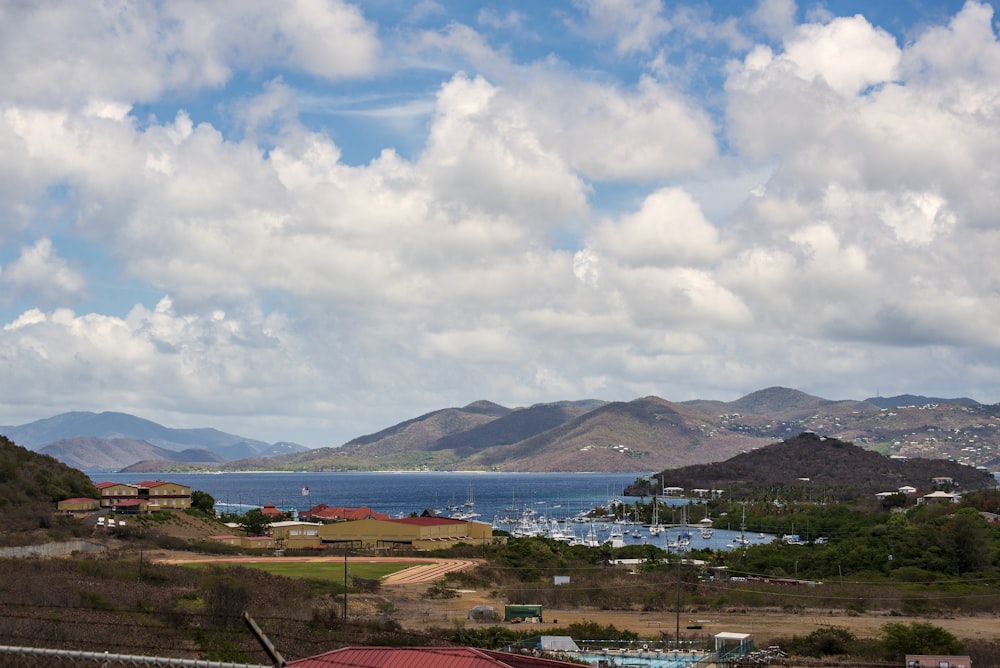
[[51, 549]]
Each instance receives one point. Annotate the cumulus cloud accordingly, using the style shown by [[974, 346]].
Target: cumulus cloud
[[57, 53], [557, 231], [39, 273]]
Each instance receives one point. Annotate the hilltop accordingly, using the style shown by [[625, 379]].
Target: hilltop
[[644, 434], [816, 466]]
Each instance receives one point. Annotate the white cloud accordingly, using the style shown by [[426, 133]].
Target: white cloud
[[669, 229], [634, 25], [39, 273], [844, 228], [67, 53]]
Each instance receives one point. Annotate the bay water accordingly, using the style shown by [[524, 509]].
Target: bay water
[[494, 497]]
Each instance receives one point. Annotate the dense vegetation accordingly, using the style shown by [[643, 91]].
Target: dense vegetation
[[30, 486], [809, 467]]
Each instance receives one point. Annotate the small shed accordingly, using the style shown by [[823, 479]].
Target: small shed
[[483, 613], [733, 644], [522, 613]]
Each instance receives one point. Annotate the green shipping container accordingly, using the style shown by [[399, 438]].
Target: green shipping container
[[522, 613]]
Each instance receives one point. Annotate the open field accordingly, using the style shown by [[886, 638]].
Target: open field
[[413, 611], [405, 581]]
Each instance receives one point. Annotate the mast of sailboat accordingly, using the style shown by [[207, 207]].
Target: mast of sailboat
[[743, 526]]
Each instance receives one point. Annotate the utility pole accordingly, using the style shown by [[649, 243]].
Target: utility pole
[[345, 582], [677, 606]]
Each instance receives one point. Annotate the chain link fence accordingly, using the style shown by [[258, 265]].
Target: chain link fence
[[35, 657]]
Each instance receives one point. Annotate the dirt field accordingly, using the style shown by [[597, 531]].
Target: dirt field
[[406, 588], [415, 612]]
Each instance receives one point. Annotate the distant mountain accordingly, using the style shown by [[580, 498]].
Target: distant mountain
[[112, 440], [829, 466], [91, 453], [917, 400], [644, 434]]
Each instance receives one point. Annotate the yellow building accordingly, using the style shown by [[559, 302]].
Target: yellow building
[[420, 533], [296, 535], [156, 494], [78, 507]]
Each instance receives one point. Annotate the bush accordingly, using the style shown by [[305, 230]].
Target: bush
[[898, 640]]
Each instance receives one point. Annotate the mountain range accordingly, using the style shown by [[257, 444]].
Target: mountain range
[[111, 440], [648, 433]]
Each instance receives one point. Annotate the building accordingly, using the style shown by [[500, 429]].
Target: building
[[296, 535], [938, 497], [271, 511], [157, 495], [418, 533], [325, 513], [78, 507], [411, 533]]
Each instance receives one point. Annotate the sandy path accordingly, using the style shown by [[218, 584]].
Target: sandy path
[[425, 571]]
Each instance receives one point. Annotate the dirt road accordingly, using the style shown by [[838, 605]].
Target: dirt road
[[406, 588]]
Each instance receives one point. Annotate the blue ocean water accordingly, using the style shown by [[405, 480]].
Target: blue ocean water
[[494, 496]]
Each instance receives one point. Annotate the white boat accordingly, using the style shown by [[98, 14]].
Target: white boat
[[706, 532], [656, 528]]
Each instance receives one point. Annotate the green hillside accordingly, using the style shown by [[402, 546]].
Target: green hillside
[[30, 486]]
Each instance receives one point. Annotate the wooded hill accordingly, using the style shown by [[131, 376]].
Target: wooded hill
[[816, 467], [30, 486]]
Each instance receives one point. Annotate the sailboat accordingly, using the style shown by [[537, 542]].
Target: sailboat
[[656, 528]]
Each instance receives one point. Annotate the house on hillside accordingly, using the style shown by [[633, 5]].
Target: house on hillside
[[78, 507], [939, 497], [156, 495], [907, 489]]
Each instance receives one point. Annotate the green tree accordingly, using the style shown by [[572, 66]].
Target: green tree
[[203, 501], [898, 640], [970, 540], [255, 522]]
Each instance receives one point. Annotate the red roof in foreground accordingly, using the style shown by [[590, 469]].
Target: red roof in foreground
[[428, 521], [423, 657]]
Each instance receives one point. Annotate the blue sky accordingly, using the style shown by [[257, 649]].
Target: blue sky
[[313, 219]]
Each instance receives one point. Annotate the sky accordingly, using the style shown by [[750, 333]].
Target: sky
[[310, 220]]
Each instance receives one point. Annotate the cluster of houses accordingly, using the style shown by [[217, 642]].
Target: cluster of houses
[[317, 528], [939, 495]]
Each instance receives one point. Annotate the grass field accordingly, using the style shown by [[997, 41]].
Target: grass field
[[332, 571]]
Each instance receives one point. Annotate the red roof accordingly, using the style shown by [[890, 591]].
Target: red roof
[[102, 485], [428, 521], [150, 483], [79, 499], [325, 512], [128, 503], [423, 657]]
